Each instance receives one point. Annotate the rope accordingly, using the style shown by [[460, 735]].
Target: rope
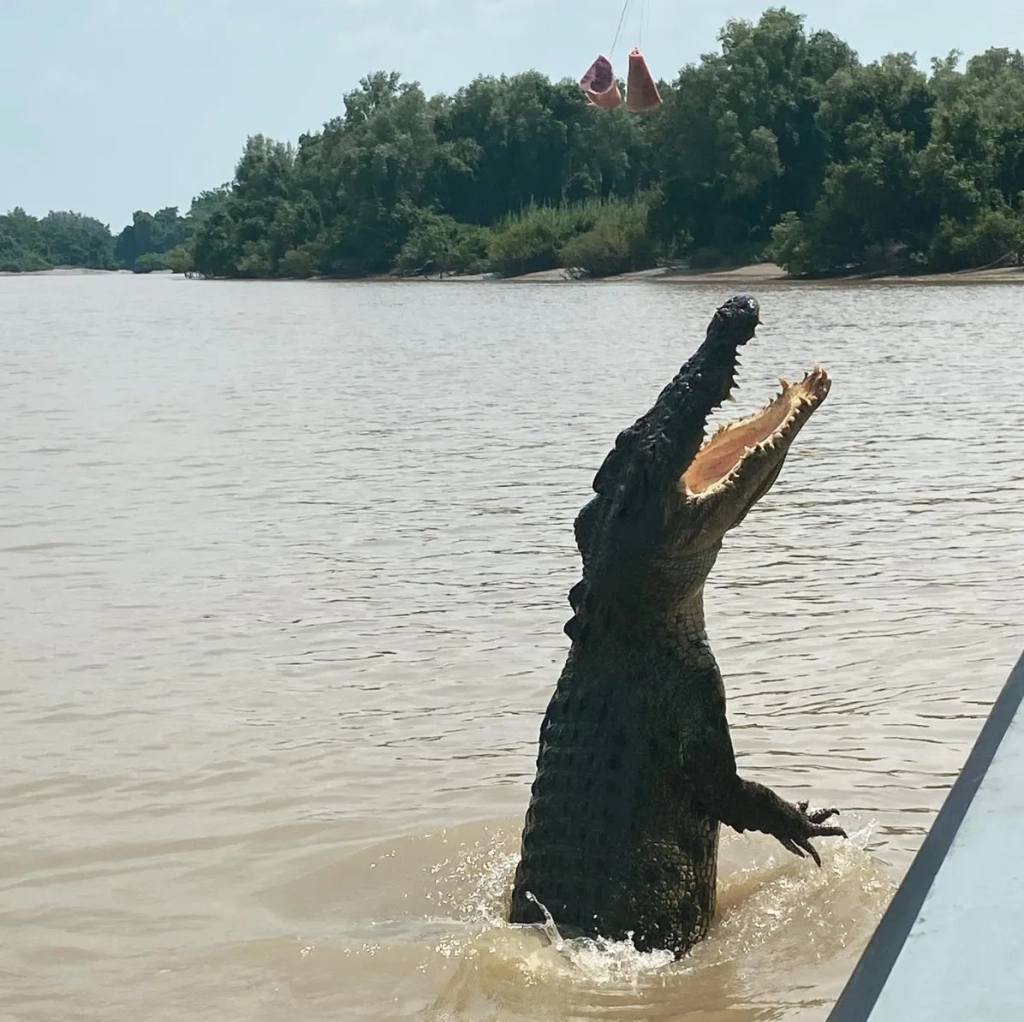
[[622, 18]]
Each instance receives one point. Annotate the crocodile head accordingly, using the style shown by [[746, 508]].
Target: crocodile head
[[667, 493], [727, 473]]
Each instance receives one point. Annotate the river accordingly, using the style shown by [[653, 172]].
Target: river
[[283, 573]]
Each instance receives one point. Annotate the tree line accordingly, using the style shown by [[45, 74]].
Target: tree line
[[782, 146]]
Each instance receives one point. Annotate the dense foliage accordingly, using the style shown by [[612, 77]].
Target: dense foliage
[[782, 146], [152, 241], [58, 239]]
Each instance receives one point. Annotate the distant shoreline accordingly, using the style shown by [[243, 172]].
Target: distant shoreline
[[62, 271], [759, 274]]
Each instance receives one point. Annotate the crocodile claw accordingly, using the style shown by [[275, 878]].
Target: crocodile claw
[[810, 824], [817, 815]]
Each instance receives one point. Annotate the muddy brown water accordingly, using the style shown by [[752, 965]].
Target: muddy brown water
[[283, 571]]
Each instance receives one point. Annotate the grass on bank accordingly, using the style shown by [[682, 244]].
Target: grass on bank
[[596, 238], [601, 237]]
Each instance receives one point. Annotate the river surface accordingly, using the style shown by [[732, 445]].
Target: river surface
[[283, 573]]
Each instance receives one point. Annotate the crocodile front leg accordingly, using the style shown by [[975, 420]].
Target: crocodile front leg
[[747, 805], [752, 806]]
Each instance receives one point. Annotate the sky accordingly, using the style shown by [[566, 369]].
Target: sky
[[108, 106]]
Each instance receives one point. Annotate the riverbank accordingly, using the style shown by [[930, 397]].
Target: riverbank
[[61, 271], [751, 275], [769, 273]]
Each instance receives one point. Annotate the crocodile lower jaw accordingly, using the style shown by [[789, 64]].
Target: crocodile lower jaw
[[721, 458]]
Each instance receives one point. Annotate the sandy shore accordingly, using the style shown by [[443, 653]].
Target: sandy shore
[[1001, 275], [65, 271], [754, 274], [760, 274]]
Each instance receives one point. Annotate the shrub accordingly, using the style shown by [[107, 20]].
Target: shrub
[[23, 262], [603, 237], [150, 261], [453, 246], [532, 241], [995, 235], [297, 262], [180, 259], [617, 243], [790, 246]]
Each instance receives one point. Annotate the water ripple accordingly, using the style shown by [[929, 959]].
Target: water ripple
[[283, 575]]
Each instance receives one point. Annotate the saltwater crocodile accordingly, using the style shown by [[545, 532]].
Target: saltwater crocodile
[[636, 768]]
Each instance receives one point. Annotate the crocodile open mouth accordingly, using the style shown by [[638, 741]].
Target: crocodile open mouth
[[723, 455]]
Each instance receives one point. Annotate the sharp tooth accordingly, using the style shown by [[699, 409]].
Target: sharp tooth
[[785, 383], [730, 397]]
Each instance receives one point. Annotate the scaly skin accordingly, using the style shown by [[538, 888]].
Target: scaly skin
[[636, 767]]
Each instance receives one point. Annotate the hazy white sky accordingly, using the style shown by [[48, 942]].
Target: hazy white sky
[[107, 106]]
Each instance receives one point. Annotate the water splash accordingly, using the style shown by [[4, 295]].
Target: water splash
[[779, 924], [548, 927]]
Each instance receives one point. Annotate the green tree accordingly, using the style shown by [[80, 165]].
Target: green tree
[[21, 243], [151, 234], [741, 141], [779, 144]]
